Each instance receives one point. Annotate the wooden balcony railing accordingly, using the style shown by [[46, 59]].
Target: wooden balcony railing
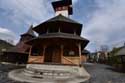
[[69, 61]]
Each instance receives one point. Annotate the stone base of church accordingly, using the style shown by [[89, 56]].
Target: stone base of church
[[37, 73]]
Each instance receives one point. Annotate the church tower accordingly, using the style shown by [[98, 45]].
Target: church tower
[[63, 7]]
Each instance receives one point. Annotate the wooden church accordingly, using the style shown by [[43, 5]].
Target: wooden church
[[59, 40], [55, 55]]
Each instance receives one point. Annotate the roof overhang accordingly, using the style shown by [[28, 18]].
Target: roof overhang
[[59, 36], [61, 24]]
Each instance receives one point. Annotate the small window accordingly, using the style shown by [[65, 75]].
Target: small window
[[35, 52], [59, 8], [64, 8], [53, 30], [71, 53]]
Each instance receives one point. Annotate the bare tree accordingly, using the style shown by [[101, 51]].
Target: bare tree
[[10, 41], [104, 48]]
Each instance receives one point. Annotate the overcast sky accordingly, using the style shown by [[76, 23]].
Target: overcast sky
[[103, 20]]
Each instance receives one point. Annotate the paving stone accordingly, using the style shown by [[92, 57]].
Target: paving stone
[[99, 74]]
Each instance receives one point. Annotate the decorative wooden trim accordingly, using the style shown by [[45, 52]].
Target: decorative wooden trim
[[69, 60], [34, 58]]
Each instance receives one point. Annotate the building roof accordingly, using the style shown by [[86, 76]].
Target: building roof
[[63, 19], [59, 36], [62, 35], [4, 46], [121, 52], [20, 47], [15, 50], [59, 21], [61, 3], [85, 51], [29, 32]]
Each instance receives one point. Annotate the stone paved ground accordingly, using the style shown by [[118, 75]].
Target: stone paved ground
[[4, 69], [103, 74], [99, 74]]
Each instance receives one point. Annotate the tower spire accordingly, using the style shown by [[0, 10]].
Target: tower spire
[[63, 7], [29, 32]]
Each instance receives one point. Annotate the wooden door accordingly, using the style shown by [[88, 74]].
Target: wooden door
[[48, 54], [56, 56], [52, 54]]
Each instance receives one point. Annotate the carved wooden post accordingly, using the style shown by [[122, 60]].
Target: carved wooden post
[[44, 50], [62, 53], [80, 55], [30, 50]]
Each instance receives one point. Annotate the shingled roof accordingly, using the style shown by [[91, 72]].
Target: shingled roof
[[21, 47], [62, 35], [59, 21], [84, 51], [62, 19], [121, 52], [15, 50], [59, 36]]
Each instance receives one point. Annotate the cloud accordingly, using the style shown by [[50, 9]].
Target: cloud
[[6, 34], [22, 13], [27, 11], [74, 1], [107, 24], [18, 15]]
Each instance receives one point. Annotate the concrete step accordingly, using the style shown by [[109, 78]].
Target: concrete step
[[47, 73], [40, 73], [53, 68]]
